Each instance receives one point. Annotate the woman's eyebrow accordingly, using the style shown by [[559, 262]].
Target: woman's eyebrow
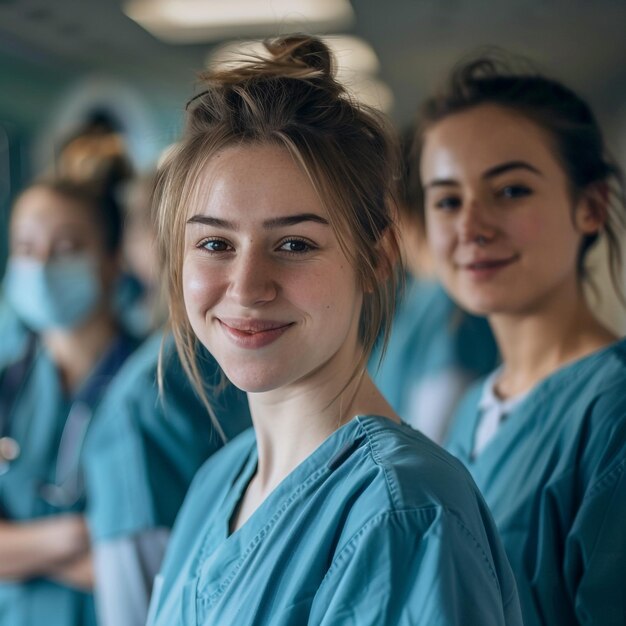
[[292, 220], [492, 172], [275, 222], [207, 220], [441, 182], [508, 166]]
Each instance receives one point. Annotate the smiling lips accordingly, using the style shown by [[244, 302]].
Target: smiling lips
[[486, 268], [253, 334]]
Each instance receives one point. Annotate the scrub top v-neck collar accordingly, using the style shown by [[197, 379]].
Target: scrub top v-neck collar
[[318, 464], [526, 414]]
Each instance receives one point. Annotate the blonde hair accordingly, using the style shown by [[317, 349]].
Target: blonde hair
[[290, 99]]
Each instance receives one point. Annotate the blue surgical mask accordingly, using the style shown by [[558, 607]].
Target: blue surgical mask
[[59, 294]]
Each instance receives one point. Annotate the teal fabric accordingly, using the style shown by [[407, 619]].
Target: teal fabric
[[144, 450], [430, 334], [37, 420], [378, 526], [554, 477], [14, 334]]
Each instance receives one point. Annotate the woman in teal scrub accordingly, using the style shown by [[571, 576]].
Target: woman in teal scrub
[[62, 268], [275, 224], [517, 189]]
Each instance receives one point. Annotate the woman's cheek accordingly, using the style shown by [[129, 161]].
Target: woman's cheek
[[440, 243], [527, 229], [198, 287]]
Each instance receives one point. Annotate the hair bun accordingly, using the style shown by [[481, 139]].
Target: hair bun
[[298, 57], [302, 51]]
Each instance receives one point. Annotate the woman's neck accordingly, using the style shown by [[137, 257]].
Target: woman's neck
[[290, 424], [537, 343], [75, 352]]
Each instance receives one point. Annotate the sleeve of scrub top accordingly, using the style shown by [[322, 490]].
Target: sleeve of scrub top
[[414, 567], [595, 548], [125, 569]]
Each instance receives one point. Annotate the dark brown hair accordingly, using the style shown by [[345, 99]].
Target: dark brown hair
[[577, 138]]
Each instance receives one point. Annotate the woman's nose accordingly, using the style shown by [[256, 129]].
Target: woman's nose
[[253, 280], [475, 223]]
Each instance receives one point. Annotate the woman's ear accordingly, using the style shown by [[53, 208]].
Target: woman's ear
[[592, 209]]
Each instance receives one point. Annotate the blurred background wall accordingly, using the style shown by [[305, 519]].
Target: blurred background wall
[[62, 61]]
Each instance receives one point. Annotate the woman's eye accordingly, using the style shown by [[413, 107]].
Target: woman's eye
[[448, 203], [66, 247], [296, 246], [215, 245], [514, 191]]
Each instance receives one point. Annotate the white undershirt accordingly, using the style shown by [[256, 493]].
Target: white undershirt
[[493, 411], [125, 568]]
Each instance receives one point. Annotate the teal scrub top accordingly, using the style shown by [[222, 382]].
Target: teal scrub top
[[14, 334], [430, 334], [377, 526], [554, 477], [144, 449], [37, 419]]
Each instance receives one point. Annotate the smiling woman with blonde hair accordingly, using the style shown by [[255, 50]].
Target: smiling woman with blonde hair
[[276, 227]]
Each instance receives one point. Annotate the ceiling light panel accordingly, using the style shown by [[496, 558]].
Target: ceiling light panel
[[198, 21]]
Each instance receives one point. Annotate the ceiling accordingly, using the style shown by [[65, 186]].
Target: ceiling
[[581, 41]]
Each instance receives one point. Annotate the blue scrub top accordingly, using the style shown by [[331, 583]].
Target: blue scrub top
[[144, 449], [554, 477], [430, 334], [378, 526], [14, 334], [37, 419]]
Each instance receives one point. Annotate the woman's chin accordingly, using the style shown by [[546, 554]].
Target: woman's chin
[[254, 380]]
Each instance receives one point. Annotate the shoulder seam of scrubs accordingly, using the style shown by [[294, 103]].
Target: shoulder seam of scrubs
[[373, 446], [606, 480], [432, 512], [600, 527]]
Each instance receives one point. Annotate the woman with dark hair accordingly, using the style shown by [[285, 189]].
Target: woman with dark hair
[[277, 231], [517, 188]]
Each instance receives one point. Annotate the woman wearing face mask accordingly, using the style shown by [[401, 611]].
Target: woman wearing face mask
[[63, 265], [517, 189], [275, 224]]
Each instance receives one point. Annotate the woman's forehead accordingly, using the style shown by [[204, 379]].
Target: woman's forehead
[[254, 182], [481, 138]]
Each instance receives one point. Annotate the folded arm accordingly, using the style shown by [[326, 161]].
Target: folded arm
[[56, 547]]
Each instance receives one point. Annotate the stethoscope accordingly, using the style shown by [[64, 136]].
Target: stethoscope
[[67, 486]]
